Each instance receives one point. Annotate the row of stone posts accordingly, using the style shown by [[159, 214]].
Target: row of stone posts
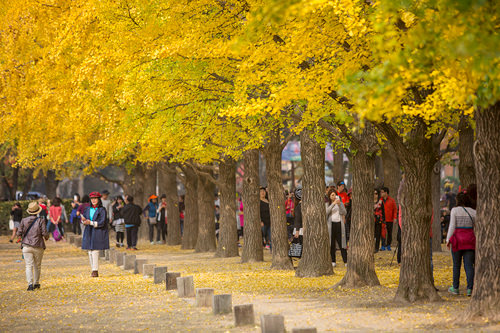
[[204, 297]]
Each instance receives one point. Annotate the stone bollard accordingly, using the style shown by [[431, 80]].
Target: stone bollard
[[78, 241], [112, 256], [120, 258], [102, 253], [148, 269], [138, 265], [106, 255], [129, 262], [304, 330], [204, 297], [272, 323], [72, 239], [159, 274], [243, 315], [185, 286], [222, 304], [171, 280]]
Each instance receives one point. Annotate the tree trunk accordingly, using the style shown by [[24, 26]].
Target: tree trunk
[[485, 301], [379, 172], [50, 184], [168, 185], [466, 170], [392, 176], [206, 215], [191, 214], [228, 233], [338, 165], [436, 207], [316, 259], [252, 232], [28, 181], [361, 269], [279, 234]]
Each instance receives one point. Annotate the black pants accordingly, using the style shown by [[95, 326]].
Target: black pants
[[161, 231], [378, 232], [152, 228], [337, 237], [132, 236], [388, 237], [119, 237], [77, 229]]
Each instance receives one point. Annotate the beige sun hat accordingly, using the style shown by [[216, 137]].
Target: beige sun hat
[[34, 208]]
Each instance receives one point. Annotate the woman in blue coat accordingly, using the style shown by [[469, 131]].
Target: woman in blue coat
[[95, 235]]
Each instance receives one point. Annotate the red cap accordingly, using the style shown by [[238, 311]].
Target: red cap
[[95, 195]]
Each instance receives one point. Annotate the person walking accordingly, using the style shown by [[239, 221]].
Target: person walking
[[118, 221], [390, 212], [150, 212], [16, 214], [161, 226], [462, 241], [96, 235], [132, 217], [33, 233], [335, 210]]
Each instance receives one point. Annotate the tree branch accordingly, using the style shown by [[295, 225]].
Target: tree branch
[[109, 180]]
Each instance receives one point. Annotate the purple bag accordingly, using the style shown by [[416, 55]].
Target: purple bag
[[57, 234]]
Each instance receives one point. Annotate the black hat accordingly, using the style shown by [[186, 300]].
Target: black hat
[[298, 192]]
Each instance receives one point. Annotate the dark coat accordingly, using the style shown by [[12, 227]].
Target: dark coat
[[96, 238], [132, 214]]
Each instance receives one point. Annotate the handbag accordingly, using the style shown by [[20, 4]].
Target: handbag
[[295, 250], [56, 234], [11, 224], [152, 220]]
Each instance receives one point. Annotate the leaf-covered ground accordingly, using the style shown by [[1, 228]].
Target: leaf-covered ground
[[118, 300]]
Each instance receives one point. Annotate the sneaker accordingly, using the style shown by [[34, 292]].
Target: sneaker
[[453, 291], [30, 287], [117, 245], [36, 286], [469, 292], [268, 247], [11, 241], [135, 249], [389, 248], [334, 264], [382, 248], [152, 243]]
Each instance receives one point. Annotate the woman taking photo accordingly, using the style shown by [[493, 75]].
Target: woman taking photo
[[95, 235], [335, 212], [462, 241]]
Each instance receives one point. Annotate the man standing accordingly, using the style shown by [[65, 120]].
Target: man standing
[[390, 217], [106, 203], [132, 216]]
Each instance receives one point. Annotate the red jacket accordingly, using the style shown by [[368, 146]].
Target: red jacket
[[390, 209], [344, 197]]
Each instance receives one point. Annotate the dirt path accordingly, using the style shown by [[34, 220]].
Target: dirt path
[[70, 300]]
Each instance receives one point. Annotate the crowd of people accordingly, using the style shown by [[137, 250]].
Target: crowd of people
[[95, 214]]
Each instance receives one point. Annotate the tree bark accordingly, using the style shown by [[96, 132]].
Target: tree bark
[[279, 234], [252, 232], [338, 165], [466, 169], [485, 301], [50, 184], [418, 155], [392, 176], [361, 269], [191, 214], [379, 172], [168, 186], [228, 233], [316, 259], [206, 215], [436, 207]]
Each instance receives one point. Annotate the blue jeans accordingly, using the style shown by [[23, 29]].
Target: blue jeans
[[266, 234], [468, 258]]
